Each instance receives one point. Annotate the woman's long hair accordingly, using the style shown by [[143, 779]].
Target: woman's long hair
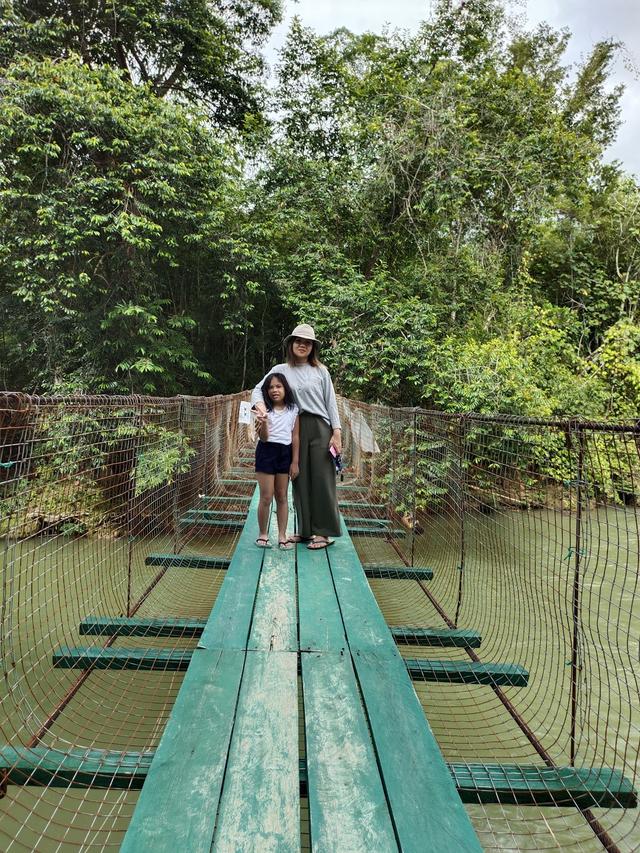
[[288, 393], [312, 358]]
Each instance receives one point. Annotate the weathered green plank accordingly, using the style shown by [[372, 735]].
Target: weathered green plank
[[397, 573], [158, 660], [79, 768], [367, 522], [507, 784], [443, 637], [178, 804], [347, 805], [127, 626], [214, 513], [321, 625], [230, 620], [393, 532], [513, 784], [467, 672], [405, 745], [275, 617], [260, 803], [235, 482], [224, 498], [362, 505], [188, 561], [191, 521]]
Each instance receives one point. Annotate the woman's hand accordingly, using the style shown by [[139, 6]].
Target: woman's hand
[[336, 440], [294, 470]]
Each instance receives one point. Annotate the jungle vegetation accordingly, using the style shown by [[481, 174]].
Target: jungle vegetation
[[437, 204]]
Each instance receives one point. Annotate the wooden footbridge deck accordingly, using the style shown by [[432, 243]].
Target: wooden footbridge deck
[[296, 643]]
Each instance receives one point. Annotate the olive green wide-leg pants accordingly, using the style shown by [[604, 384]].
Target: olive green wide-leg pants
[[314, 489]]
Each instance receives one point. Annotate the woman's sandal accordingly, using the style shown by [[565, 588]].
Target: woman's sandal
[[295, 538], [319, 544], [262, 542], [285, 545]]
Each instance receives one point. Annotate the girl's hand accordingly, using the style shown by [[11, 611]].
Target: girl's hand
[[336, 440], [294, 470]]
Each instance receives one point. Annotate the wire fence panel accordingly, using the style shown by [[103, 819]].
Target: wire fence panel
[[504, 550]]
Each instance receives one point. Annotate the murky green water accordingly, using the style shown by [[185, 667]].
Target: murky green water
[[517, 586]]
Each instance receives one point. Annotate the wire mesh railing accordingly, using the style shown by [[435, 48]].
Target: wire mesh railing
[[493, 542]]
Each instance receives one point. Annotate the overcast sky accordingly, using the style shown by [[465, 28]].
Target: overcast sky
[[588, 20]]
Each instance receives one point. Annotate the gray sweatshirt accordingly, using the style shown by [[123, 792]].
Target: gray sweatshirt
[[312, 388]]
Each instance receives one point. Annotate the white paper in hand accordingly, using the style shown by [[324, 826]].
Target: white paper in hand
[[244, 415]]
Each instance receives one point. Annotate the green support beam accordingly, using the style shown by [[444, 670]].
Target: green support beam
[[187, 561], [397, 573], [467, 672], [127, 626], [439, 637], [505, 784]]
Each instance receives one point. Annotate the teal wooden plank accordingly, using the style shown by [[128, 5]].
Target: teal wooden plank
[[347, 805], [513, 784], [275, 617], [230, 620], [260, 803], [86, 657], [194, 520], [320, 621], [362, 505], [76, 768], [177, 806], [236, 481], [393, 532], [405, 745], [188, 561], [216, 513], [414, 771], [467, 672], [397, 573], [368, 522], [224, 498], [127, 626], [506, 784], [443, 637]]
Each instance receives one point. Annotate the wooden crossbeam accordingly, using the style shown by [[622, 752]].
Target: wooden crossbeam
[[187, 561], [397, 573], [227, 498], [441, 637], [190, 520], [467, 672], [504, 784], [128, 626], [358, 530], [177, 660]]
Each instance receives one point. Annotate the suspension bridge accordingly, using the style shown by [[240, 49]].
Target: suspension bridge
[[430, 680]]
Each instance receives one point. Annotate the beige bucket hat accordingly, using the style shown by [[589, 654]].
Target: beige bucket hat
[[304, 330]]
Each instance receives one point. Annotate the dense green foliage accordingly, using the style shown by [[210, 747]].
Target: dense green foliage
[[437, 205]]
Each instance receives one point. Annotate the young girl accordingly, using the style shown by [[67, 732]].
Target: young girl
[[277, 456]]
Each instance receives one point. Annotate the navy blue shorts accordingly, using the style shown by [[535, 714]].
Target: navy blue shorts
[[273, 458]]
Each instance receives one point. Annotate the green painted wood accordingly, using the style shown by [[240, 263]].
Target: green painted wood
[[260, 803], [275, 618], [348, 809], [362, 505], [226, 481], [321, 627], [467, 672], [213, 513], [226, 498], [405, 746], [76, 768], [506, 784], [149, 660], [188, 561], [393, 532], [230, 620], [177, 806], [127, 626], [398, 573], [367, 522], [543, 786], [191, 521], [443, 637]]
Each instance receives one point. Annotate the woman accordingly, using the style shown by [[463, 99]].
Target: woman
[[314, 489]]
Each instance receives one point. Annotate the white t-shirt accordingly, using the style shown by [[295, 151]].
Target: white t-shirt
[[281, 423]]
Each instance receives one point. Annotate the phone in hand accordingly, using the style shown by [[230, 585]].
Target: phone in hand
[[333, 451]]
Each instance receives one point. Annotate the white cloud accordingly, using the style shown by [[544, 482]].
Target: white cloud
[[589, 21]]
